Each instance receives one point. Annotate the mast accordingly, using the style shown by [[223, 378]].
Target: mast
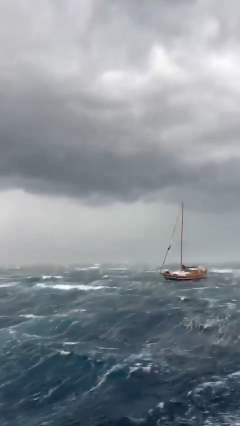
[[169, 247], [182, 238]]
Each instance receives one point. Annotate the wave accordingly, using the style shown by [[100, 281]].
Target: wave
[[9, 284], [51, 277], [221, 271], [67, 287]]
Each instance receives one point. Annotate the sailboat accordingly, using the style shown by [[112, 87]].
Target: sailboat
[[185, 273]]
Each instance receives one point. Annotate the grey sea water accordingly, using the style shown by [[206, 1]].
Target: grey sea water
[[87, 346]]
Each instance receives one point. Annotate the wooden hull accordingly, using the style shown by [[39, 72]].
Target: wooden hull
[[189, 274], [173, 278]]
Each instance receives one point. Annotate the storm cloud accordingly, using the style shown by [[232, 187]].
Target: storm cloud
[[119, 101]]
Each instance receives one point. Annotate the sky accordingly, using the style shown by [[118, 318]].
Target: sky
[[111, 114]]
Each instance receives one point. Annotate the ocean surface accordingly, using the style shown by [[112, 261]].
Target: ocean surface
[[118, 347]]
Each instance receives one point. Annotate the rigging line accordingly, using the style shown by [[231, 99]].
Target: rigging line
[[171, 240]]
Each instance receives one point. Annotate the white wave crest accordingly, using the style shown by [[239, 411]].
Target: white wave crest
[[51, 277], [9, 284], [30, 316], [221, 271], [67, 287]]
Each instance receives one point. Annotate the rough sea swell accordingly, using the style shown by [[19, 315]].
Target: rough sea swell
[[77, 349]]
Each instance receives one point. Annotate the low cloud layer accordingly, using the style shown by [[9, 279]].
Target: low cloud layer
[[108, 100]]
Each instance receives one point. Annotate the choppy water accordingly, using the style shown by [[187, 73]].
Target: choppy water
[[129, 349]]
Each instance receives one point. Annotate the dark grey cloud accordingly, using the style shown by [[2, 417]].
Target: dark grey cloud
[[112, 100]]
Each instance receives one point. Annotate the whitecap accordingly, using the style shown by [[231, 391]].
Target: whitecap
[[234, 375], [88, 268], [182, 298], [9, 284], [138, 367], [64, 353], [67, 287], [160, 405], [30, 316], [221, 271], [49, 277], [230, 305]]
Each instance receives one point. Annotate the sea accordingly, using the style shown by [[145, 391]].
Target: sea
[[96, 345]]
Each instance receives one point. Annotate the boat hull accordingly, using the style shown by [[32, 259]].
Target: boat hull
[[188, 274], [172, 278]]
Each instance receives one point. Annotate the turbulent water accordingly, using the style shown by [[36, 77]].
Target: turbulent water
[[121, 348]]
